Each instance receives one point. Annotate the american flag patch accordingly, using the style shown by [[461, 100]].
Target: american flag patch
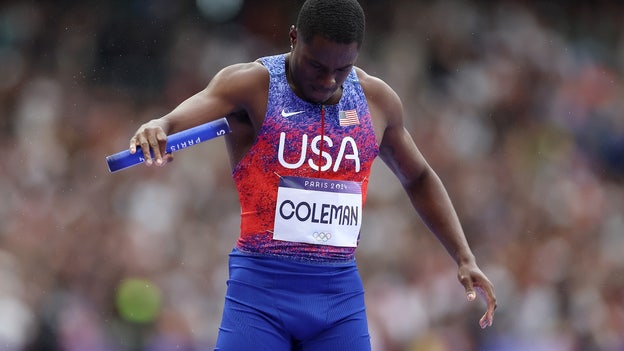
[[348, 118]]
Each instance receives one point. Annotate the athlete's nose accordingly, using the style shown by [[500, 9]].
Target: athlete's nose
[[328, 81]]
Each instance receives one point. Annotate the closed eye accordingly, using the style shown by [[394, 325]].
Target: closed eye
[[316, 65]]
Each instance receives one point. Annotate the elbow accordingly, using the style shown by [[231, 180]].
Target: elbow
[[417, 180]]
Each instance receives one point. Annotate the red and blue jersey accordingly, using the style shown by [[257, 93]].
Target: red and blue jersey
[[303, 141]]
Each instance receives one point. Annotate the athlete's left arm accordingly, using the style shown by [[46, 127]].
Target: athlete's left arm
[[425, 189]]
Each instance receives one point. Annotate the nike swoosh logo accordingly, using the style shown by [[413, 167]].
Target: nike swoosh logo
[[288, 114]]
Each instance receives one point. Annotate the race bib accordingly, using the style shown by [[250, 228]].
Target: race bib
[[318, 211]]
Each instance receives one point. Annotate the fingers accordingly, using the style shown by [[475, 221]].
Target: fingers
[[478, 283], [153, 144], [161, 139], [488, 295], [133, 145], [486, 290], [488, 317], [486, 320]]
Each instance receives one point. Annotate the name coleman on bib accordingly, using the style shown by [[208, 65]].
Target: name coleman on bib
[[326, 212], [319, 213]]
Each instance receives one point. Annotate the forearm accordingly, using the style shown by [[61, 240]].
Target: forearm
[[195, 110], [433, 204]]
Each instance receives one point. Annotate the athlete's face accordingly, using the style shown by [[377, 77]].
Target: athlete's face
[[319, 68]]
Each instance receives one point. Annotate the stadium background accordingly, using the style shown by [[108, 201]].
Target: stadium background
[[517, 105]]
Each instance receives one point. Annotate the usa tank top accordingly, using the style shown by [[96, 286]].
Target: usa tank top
[[302, 185]]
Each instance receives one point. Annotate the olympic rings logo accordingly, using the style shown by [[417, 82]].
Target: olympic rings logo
[[321, 236]]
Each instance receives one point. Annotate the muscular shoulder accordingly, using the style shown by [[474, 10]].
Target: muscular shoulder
[[243, 87], [384, 103], [244, 70], [241, 78]]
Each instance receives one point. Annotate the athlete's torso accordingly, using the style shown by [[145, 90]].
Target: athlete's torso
[[289, 155]]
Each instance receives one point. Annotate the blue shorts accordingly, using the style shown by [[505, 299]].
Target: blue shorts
[[277, 304]]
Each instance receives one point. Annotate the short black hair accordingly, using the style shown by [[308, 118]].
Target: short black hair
[[340, 21]]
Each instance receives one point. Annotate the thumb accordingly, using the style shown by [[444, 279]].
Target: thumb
[[168, 157], [470, 295], [465, 280]]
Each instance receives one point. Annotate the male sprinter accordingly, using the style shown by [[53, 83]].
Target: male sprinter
[[306, 127]]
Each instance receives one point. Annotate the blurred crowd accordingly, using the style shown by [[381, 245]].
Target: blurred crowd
[[516, 104]]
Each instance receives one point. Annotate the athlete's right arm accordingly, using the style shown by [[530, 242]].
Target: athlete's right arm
[[234, 88]]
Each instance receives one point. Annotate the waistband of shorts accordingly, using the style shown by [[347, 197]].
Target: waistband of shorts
[[238, 252]]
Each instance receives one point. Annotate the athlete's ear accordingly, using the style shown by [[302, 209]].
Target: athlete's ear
[[293, 35]]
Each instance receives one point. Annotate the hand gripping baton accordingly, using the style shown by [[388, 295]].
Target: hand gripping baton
[[175, 142]]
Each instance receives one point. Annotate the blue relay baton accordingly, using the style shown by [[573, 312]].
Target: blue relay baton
[[175, 142]]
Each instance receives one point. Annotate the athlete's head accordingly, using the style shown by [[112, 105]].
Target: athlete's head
[[339, 21], [325, 46]]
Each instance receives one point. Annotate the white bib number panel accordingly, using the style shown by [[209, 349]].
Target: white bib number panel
[[318, 211]]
